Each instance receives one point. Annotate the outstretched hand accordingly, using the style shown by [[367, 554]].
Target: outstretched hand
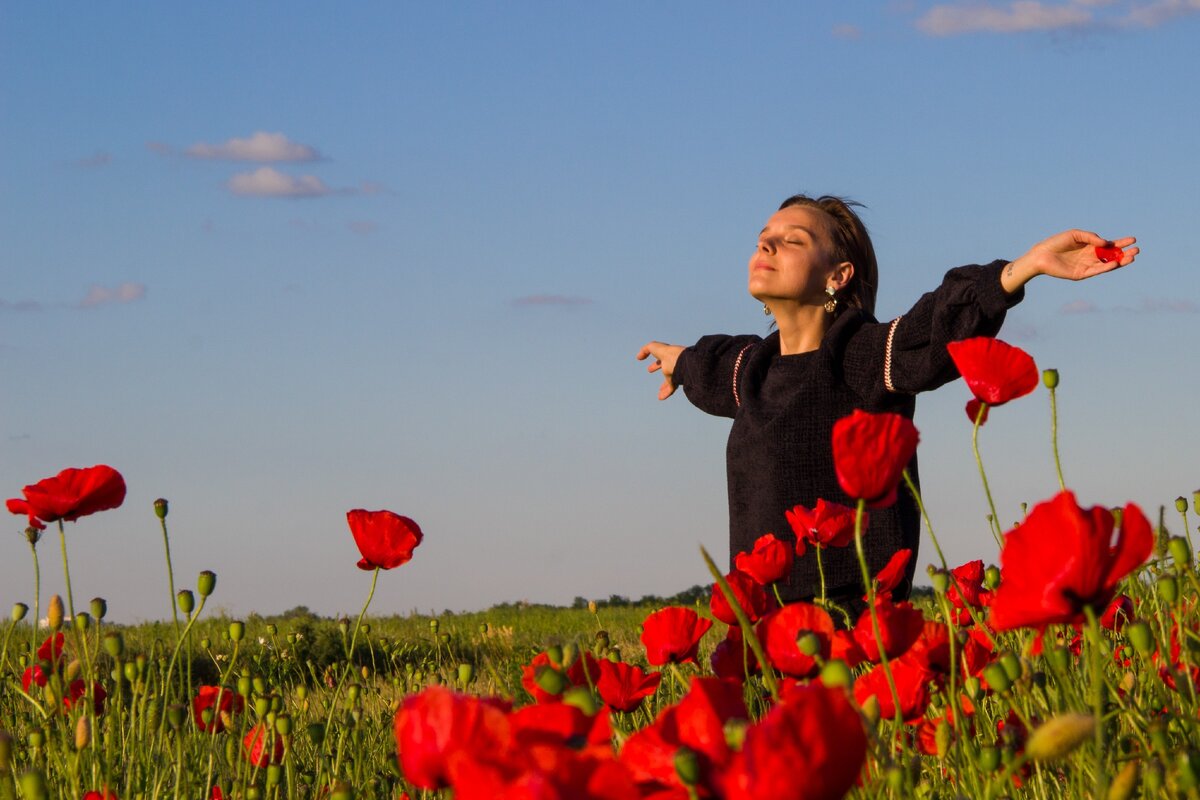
[[1071, 255], [665, 356]]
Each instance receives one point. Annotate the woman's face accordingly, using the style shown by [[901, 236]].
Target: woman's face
[[793, 259]]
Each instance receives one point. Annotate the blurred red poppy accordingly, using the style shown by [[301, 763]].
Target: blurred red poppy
[[732, 657], [870, 453], [1062, 559], [262, 746], [438, 726], [748, 592], [913, 680], [105, 795], [385, 539], [825, 525], [672, 635], [1107, 253], [206, 698], [966, 589], [77, 690], [899, 626], [51, 650], [769, 561], [780, 631], [995, 371], [1119, 612], [71, 494], [811, 746], [893, 572], [623, 686]]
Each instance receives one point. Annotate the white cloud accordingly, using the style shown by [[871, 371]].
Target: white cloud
[[260, 146], [847, 31], [1156, 13], [160, 148], [19, 305], [270, 182], [1017, 17], [123, 293], [1079, 307]]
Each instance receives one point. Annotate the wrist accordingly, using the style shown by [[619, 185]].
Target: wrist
[[1017, 273]]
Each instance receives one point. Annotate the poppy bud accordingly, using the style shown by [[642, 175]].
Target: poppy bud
[[836, 675], [82, 620], [176, 714], [809, 644], [582, 698], [274, 775], [602, 638], [940, 581], [466, 674], [444, 638], [941, 738], [735, 733], [55, 613], [243, 685], [260, 686], [1140, 637], [555, 654], [1011, 664], [186, 600], [433, 625], [895, 778], [1181, 505], [73, 669], [991, 577], [273, 629], [205, 643], [1125, 783], [1178, 548], [262, 705], [996, 676], [591, 607], [687, 766], [160, 508], [36, 738], [365, 628], [33, 785], [33, 535], [1196, 501], [989, 759], [283, 725], [1168, 588], [570, 653], [237, 630], [19, 611], [550, 680], [1050, 378], [114, 644], [206, 583], [83, 732], [483, 628], [130, 671], [1058, 736]]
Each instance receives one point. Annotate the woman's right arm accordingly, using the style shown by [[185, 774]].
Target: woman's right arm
[[706, 370], [665, 356]]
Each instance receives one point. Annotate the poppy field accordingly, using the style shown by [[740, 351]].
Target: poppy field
[[1062, 663]]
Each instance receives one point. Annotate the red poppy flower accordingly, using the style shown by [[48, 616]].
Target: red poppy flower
[[51, 650], [843, 646], [1119, 612], [995, 371], [780, 630], [558, 724], [1107, 253], [973, 408], [623, 686], [71, 494], [33, 675], [893, 572], [104, 795], [769, 561], [386, 540], [672, 635], [966, 586], [437, 726], [870, 453], [811, 746], [825, 525], [262, 746], [77, 690], [749, 593], [912, 685], [206, 697], [899, 626], [1061, 559], [529, 674], [732, 657]]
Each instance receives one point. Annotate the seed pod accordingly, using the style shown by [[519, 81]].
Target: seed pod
[[483, 628], [33, 785], [176, 714], [260, 685], [941, 738], [1180, 552], [83, 732], [283, 725], [272, 629], [1168, 588], [82, 620], [1058, 736], [989, 759], [237, 630], [870, 709], [991, 577], [55, 613], [186, 600], [466, 674], [74, 669], [940, 581], [19, 610], [1141, 637], [114, 643], [973, 688], [206, 583], [1125, 783], [687, 766], [1050, 378], [316, 733], [1181, 504], [809, 644], [836, 675], [997, 677], [99, 607], [160, 508], [274, 774], [243, 685], [550, 680], [582, 698], [1011, 664], [433, 625]]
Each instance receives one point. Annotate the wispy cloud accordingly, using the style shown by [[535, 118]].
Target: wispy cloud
[[362, 227], [117, 295], [270, 182], [259, 146], [1148, 305], [1079, 307], [1017, 17], [161, 148], [97, 159], [1021, 16], [847, 31], [551, 300], [19, 305]]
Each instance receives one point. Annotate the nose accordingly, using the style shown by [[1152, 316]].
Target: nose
[[766, 245]]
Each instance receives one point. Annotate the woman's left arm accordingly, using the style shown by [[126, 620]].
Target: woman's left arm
[[1073, 255]]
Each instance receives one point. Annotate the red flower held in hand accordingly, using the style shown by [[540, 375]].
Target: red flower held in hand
[[825, 525], [870, 453], [1107, 253], [262, 746], [623, 686], [672, 635], [69, 495], [995, 371], [385, 539], [1061, 559], [769, 561]]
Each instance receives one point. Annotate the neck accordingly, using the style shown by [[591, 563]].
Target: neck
[[801, 329]]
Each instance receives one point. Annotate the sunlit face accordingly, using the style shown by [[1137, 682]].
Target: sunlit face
[[793, 260]]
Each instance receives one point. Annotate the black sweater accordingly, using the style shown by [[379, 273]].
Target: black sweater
[[783, 408]]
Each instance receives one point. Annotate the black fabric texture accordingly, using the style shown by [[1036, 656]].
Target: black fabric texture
[[779, 453]]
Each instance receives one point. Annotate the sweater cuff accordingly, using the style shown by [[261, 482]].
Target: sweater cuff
[[992, 298], [678, 377]]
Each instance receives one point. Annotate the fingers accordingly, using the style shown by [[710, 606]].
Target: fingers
[[666, 390]]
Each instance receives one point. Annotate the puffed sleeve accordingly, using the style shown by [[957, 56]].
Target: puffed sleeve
[[908, 355], [707, 371]]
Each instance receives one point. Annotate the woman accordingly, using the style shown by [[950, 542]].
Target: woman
[[814, 269]]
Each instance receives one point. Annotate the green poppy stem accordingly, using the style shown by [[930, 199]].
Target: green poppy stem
[[995, 525], [1054, 438], [170, 574], [1098, 687], [37, 599], [748, 633], [349, 664], [870, 587]]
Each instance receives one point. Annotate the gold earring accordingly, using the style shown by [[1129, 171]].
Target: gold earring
[[832, 301], [766, 310]]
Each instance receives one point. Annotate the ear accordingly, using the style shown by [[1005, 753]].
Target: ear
[[841, 275]]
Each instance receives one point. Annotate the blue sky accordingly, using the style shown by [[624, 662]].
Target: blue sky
[[280, 261]]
